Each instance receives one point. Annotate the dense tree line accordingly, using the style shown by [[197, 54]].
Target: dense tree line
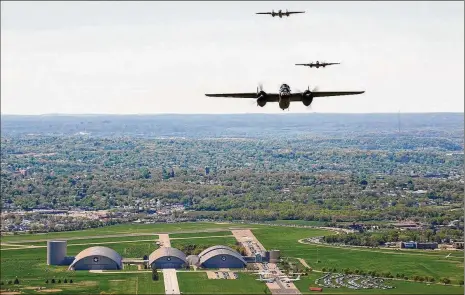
[[367, 176]]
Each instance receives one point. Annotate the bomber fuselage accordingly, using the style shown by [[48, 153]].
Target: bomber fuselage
[[284, 96]]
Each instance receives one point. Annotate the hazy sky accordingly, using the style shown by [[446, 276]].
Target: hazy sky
[[161, 57]]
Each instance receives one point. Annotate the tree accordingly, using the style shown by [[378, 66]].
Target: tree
[[53, 281], [445, 281], [155, 274], [461, 282], [71, 281], [16, 282], [65, 281]]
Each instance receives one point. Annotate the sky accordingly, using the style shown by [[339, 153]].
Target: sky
[[162, 57]]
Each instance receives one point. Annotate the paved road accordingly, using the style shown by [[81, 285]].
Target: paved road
[[164, 240], [171, 281]]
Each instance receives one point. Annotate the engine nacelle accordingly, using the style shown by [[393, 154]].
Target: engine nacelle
[[261, 98], [307, 98]]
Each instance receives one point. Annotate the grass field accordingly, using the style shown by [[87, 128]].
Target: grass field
[[298, 222], [122, 229], [91, 283], [206, 242], [198, 283], [358, 258], [201, 234], [90, 240]]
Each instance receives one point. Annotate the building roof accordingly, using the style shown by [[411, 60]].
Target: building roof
[[98, 251], [166, 251], [193, 259], [219, 250], [217, 247]]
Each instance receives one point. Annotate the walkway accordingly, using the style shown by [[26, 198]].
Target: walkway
[[164, 240], [171, 281]]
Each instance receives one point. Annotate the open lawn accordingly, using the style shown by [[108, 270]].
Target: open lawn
[[120, 229], [206, 242], [286, 239], [92, 240], [298, 222], [198, 283], [401, 287], [95, 283], [201, 234]]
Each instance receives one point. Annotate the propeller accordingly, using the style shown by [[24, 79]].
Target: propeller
[[259, 89], [315, 88]]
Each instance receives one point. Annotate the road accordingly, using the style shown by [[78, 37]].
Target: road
[[171, 281]]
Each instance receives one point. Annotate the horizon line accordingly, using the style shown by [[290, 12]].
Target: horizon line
[[221, 114]]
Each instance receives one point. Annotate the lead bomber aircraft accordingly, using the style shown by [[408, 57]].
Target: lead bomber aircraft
[[285, 96]]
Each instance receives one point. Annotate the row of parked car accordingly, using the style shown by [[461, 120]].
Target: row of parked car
[[356, 282]]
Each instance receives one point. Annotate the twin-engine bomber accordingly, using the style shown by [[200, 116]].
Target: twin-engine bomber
[[318, 64], [285, 96], [280, 13]]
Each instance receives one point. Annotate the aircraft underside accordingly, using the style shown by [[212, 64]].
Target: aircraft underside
[[284, 103]]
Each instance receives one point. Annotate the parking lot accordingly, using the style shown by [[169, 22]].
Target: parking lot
[[356, 282]]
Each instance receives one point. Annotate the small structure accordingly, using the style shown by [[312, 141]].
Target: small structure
[[274, 256], [56, 252], [431, 246], [193, 260], [315, 289]]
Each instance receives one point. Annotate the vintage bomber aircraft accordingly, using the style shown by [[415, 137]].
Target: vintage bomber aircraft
[[284, 96], [318, 64], [280, 13]]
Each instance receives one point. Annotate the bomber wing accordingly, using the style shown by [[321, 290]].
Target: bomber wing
[[297, 96], [270, 97]]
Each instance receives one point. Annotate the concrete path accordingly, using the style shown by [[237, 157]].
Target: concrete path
[[164, 240], [304, 263], [171, 281]]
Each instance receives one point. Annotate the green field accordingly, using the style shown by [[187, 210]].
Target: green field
[[298, 222], [90, 283], [198, 283], [201, 234], [206, 242], [90, 240], [122, 229], [359, 258], [401, 287]]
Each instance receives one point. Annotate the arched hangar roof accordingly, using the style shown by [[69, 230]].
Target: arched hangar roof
[[98, 251], [219, 250], [214, 248], [167, 251]]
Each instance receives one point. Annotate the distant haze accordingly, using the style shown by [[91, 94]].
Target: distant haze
[[161, 57]]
